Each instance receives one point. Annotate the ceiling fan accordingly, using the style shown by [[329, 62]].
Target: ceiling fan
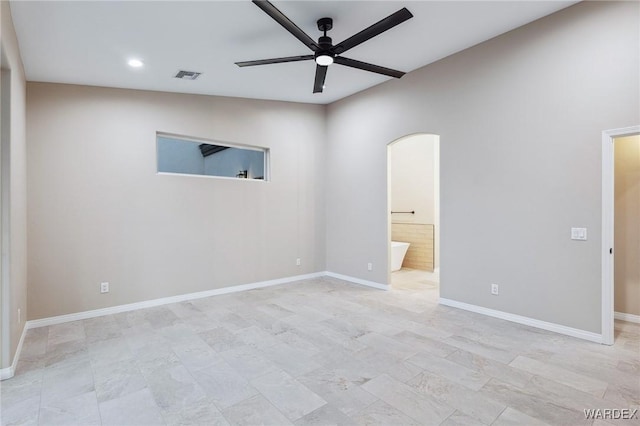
[[326, 53]]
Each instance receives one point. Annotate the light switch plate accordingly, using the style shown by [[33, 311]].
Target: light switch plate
[[579, 234]]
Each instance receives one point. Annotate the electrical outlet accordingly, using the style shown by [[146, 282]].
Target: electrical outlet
[[104, 287], [494, 289], [298, 262], [579, 234], [369, 266]]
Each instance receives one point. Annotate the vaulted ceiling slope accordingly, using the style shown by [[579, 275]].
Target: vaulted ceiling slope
[[90, 43]]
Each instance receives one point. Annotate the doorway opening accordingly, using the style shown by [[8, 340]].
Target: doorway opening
[[620, 229], [413, 207]]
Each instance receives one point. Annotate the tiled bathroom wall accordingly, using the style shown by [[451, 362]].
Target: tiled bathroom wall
[[421, 251]]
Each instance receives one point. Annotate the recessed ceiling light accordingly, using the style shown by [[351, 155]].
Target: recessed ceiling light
[[135, 63]]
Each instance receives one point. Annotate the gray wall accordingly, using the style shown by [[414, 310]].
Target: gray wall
[[520, 119], [17, 162], [98, 211]]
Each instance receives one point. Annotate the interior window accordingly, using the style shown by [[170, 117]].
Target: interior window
[[196, 157]]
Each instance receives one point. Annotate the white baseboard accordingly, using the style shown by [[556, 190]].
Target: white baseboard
[[357, 281], [557, 328], [7, 373], [44, 322], [165, 301], [627, 317]]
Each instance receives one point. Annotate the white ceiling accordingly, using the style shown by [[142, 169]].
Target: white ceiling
[[90, 42]]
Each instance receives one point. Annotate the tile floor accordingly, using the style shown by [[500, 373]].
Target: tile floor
[[317, 352]]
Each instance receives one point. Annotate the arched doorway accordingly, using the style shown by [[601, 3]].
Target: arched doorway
[[413, 206]]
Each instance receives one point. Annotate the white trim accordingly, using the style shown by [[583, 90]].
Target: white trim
[[357, 281], [5, 219], [557, 328], [210, 177], [607, 239], [627, 317], [7, 373], [607, 260], [165, 301]]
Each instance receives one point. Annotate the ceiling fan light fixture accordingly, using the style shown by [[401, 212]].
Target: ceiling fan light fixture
[[324, 60]]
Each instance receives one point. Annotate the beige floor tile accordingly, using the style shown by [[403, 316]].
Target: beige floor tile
[[135, 409], [512, 417], [560, 375], [420, 407], [380, 413], [317, 352], [464, 400], [291, 397], [256, 410]]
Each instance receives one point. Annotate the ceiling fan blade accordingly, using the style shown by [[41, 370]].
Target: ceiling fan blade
[[274, 61], [321, 74], [281, 19], [368, 67], [372, 31]]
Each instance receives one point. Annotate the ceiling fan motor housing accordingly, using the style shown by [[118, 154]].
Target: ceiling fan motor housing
[[324, 44], [325, 24]]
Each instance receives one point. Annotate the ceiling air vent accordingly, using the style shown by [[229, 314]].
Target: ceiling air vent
[[187, 75]]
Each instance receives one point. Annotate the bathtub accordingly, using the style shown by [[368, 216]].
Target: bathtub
[[398, 250]]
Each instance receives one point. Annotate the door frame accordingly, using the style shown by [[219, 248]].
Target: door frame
[[5, 242], [608, 203]]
